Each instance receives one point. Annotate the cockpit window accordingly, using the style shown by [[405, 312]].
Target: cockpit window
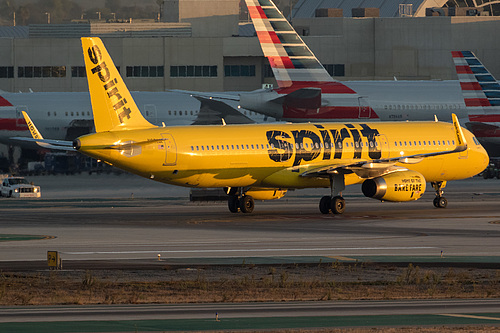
[[475, 140]]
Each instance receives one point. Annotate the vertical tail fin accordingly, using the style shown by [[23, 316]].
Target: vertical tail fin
[[292, 61], [112, 104], [480, 89]]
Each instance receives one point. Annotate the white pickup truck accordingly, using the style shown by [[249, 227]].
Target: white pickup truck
[[18, 187]]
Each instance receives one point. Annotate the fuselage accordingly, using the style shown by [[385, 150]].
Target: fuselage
[[276, 155], [67, 115], [369, 100]]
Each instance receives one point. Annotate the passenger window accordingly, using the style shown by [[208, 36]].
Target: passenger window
[[203, 148], [409, 143], [217, 147], [251, 146], [327, 145], [357, 144], [197, 148], [192, 148], [247, 147], [453, 142], [232, 147], [371, 144]]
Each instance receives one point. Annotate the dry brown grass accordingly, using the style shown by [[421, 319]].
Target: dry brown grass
[[246, 283]]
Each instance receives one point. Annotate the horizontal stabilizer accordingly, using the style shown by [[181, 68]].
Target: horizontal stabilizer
[[226, 96], [212, 112]]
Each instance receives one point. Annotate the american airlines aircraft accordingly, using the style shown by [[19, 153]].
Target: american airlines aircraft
[[308, 93], [66, 115]]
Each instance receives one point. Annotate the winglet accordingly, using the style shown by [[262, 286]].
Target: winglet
[[38, 138], [112, 104], [461, 143], [35, 133]]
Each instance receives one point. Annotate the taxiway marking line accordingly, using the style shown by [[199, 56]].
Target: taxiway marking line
[[468, 316], [252, 250]]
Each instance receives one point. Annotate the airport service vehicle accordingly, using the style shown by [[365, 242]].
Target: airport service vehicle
[[393, 161], [19, 187]]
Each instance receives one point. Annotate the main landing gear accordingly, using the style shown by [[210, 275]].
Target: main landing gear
[[237, 201], [439, 200], [334, 203]]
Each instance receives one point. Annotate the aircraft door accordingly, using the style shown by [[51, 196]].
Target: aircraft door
[[383, 145], [364, 107], [150, 113], [170, 149]]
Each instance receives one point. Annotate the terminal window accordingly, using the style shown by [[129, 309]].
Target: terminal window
[[6, 72], [79, 71], [335, 69], [145, 71], [239, 70], [41, 71], [193, 71]]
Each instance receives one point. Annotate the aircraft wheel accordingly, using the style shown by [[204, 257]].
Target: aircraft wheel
[[442, 202], [324, 204], [233, 203], [337, 205], [247, 204]]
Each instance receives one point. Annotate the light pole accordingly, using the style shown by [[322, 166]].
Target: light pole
[[48, 17], [99, 13]]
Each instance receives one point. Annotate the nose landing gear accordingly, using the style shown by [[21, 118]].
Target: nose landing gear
[[439, 201]]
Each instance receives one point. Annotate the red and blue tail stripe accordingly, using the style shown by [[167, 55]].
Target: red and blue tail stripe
[[480, 89]]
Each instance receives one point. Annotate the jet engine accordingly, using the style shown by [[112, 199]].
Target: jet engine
[[397, 186], [259, 193]]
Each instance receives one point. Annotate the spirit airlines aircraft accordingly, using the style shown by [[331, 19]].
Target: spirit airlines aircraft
[[393, 161]]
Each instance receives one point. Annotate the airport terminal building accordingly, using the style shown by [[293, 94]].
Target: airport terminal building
[[204, 46]]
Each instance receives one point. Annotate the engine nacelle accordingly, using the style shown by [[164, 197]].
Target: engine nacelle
[[397, 186], [265, 193]]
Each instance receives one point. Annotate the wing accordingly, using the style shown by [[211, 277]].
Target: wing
[[38, 138], [380, 167]]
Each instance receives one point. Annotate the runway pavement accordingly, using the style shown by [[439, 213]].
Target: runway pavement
[[97, 217]]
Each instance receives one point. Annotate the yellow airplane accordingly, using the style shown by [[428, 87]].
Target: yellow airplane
[[393, 161]]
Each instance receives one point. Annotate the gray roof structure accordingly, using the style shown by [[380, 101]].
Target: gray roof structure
[[388, 8], [14, 32]]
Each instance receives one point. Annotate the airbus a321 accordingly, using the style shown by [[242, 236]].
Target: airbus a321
[[392, 161]]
